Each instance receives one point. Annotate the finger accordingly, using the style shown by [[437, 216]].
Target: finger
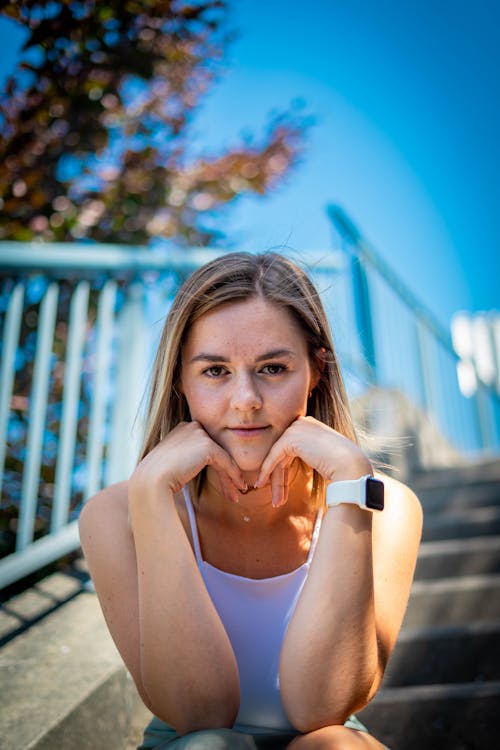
[[277, 454], [227, 486], [279, 485], [223, 463]]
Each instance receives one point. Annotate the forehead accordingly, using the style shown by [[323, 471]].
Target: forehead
[[253, 323]]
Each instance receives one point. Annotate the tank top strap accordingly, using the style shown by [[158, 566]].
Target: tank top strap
[[192, 522], [315, 535]]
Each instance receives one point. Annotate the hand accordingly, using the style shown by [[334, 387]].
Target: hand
[[181, 455], [322, 448]]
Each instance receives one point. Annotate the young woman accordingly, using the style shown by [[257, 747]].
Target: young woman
[[253, 596]]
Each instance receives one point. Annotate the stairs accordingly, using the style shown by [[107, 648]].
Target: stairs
[[442, 685], [65, 679]]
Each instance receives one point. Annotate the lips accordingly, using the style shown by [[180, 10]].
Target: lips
[[248, 430]]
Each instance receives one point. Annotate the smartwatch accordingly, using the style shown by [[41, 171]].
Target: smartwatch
[[366, 492]]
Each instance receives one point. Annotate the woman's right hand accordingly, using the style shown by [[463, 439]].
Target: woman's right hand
[[181, 455]]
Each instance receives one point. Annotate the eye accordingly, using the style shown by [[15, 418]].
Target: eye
[[215, 371], [274, 369]]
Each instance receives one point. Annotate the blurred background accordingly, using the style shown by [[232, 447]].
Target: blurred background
[[403, 101], [140, 139]]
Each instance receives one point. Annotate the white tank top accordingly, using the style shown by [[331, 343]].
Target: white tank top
[[255, 614]]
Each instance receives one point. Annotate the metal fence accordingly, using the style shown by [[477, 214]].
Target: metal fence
[[80, 324], [402, 346]]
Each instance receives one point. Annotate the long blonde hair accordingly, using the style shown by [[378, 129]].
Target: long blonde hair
[[240, 276]]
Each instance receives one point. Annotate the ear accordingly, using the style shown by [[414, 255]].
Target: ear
[[318, 363]]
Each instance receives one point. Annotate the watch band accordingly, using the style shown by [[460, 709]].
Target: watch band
[[366, 492]]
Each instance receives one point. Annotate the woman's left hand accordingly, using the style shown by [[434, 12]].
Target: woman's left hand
[[322, 448]]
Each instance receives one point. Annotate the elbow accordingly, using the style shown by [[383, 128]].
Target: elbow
[[308, 718], [206, 715], [196, 718], [306, 722], [307, 714], [191, 710]]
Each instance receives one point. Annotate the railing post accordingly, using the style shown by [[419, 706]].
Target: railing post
[[71, 395], [100, 379], [425, 368], [37, 412], [363, 315], [11, 331], [485, 432], [131, 365]]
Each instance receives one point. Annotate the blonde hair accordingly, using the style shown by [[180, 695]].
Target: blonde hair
[[240, 276]]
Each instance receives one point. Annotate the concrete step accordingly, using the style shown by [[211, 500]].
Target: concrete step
[[467, 653], [458, 557], [453, 601], [461, 524], [469, 474], [435, 717], [67, 685], [439, 499]]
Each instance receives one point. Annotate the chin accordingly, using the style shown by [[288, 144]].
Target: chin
[[250, 476], [248, 468]]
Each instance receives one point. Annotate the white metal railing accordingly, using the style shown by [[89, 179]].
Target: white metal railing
[[80, 324], [402, 346]]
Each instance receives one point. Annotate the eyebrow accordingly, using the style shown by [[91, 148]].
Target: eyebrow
[[273, 354]]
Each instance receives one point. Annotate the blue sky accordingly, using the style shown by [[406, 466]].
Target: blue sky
[[406, 140]]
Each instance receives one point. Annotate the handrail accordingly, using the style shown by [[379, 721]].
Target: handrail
[[367, 262], [97, 257], [357, 244]]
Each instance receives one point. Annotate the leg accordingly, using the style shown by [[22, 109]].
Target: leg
[[210, 739], [336, 737]]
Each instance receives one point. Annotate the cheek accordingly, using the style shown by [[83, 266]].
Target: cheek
[[293, 403], [202, 405]]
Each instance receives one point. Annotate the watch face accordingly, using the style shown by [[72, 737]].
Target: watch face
[[374, 494]]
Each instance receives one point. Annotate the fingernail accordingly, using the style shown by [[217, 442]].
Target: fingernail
[[231, 494]]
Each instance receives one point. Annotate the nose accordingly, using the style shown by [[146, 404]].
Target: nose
[[245, 395]]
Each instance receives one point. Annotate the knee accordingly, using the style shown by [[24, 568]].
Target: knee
[[217, 739]]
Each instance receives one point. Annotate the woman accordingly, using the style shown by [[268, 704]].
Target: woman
[[254, 604]]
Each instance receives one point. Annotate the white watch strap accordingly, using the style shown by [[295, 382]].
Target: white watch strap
[[352, 491]]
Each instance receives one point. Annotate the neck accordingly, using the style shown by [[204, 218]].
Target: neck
[[255, 506]]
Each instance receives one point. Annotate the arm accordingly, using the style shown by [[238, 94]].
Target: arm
[[153, 597], [351, 608]]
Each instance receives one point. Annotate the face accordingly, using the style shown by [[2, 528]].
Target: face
[[246, 375]]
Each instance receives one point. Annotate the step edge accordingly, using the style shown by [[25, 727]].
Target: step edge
[[436, 691]]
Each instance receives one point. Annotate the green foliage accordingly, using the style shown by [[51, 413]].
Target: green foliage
[[95, 124]]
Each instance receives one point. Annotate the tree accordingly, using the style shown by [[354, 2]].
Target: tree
[[95, 124]]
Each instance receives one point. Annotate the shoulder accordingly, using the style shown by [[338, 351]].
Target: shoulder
[[402, 511], [399, 494], [110, 502], [105, 516], [104, 522]]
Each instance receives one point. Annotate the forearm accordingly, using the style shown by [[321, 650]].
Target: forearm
[[329, 660], [187, 664]]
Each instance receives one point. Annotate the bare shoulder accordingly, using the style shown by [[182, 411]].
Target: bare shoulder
[[398, 529], [104, 524], [109, 503], [105, 517], [400, 501]]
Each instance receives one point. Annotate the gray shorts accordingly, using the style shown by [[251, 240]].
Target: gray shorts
[[159, 736]]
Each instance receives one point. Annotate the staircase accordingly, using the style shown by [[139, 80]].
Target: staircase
[[65, 679], [442, 686]]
